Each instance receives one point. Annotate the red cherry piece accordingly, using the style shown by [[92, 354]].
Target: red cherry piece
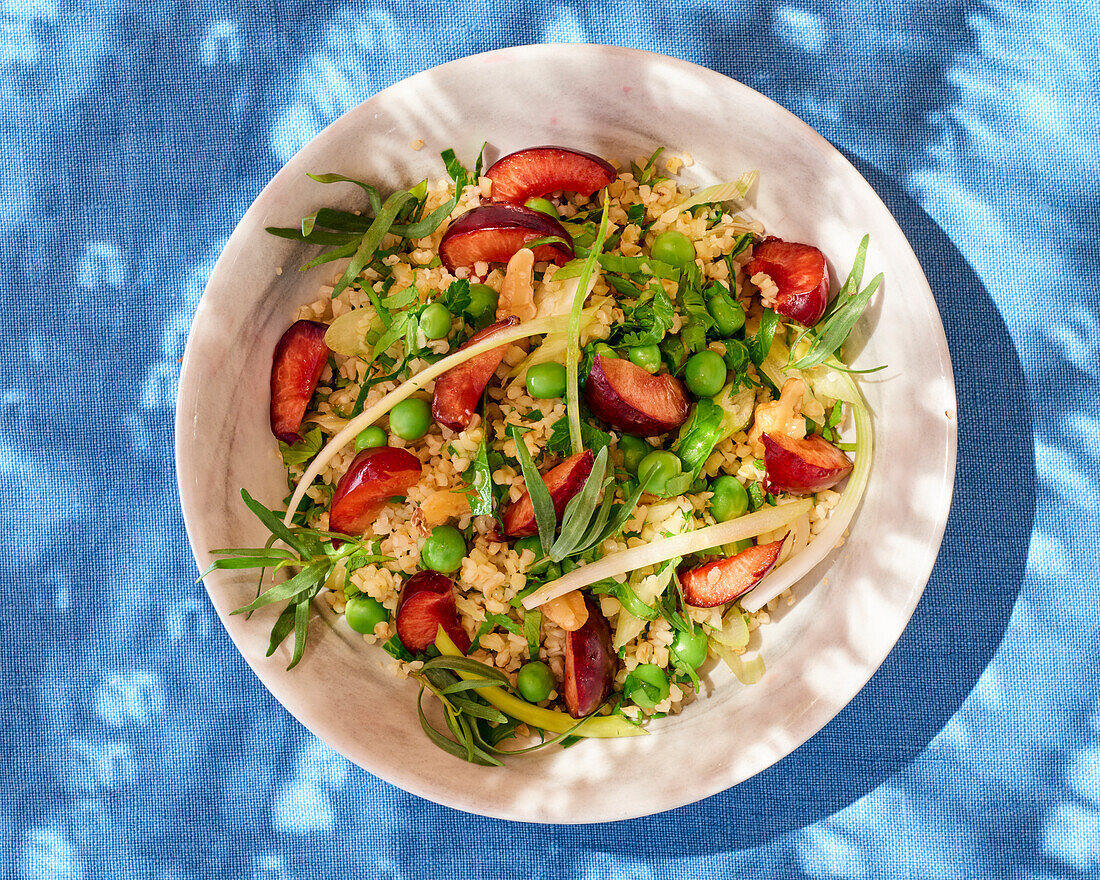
[[299, 359], [799, 273], [493, 234], [537, 171], [458, 391], [563, 481], [427, 603], [375, 476], [589, 664], [634, 401], [803, 466], [724, 580]]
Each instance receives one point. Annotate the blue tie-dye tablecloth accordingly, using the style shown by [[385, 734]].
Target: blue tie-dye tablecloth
[[136, 743]]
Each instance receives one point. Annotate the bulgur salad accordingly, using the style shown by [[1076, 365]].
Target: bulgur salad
[[557, 432]]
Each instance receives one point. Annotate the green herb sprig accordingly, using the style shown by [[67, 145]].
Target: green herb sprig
[[841, 315], [311, 551], [477, 727]]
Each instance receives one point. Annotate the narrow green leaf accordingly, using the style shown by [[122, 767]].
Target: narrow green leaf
[[372, 192], [545, 517], [282, 628], [832, 333], [244, 562], [316, 236], [308, 577], [532, 631], [275, 525], [580, 510], [301, 630], [468, 665], [371, 239], [761, 343]]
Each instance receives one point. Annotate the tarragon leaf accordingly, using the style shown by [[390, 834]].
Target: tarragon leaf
[[545, 517]]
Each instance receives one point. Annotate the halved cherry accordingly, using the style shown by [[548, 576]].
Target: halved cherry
[[493, 234], [427, 603], [458, 391], [634, 401], [536, 171], [723, 580], [589, 664], [375, 476], [799, 273], [563, 481], [299, 359], [803, 466]]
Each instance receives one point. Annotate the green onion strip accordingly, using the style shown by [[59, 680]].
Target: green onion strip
[[573, 349]]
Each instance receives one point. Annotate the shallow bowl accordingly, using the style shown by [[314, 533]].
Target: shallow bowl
[[617, 103]]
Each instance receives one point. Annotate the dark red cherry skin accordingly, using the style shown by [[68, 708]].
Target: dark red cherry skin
[[296, 366], [589, 672], [374, 476], [538, 171], [800, 275], [458, 391], [493, 233], [634, 401]]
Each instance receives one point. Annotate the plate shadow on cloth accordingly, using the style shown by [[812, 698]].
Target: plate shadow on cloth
[[954, 632]]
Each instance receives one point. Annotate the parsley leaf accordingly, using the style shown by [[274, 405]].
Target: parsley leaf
[[592, 437]]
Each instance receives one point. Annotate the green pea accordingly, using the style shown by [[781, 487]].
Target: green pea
[[444, 550], [730, 500], [691, 647], [648, 357], [483, 301], [531, 543], [363, 613], [543, 206], [634, 449], [535, 681], [369, 438], [736, 355], [435, 321], [663, 465], [545, 381], [728, 315], [602, 348], [705, 373], [411, 418], [646, 685], [674, 248]]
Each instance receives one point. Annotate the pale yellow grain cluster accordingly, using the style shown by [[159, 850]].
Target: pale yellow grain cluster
[[492, 574]]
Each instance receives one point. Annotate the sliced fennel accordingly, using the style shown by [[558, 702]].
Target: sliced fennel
[[734, 190], [749, 670], [647, 590], [573, 343], [553, 347], [368, 417], [782, 577], [600, 726], [767, 519], [734, 632], [354, 333]]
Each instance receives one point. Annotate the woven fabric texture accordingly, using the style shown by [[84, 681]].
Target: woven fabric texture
[[136, 742]]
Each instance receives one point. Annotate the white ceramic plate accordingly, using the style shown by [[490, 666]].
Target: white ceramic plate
[[617, 103]]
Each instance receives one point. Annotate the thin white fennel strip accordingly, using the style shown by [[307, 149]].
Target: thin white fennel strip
[[749, 526]]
